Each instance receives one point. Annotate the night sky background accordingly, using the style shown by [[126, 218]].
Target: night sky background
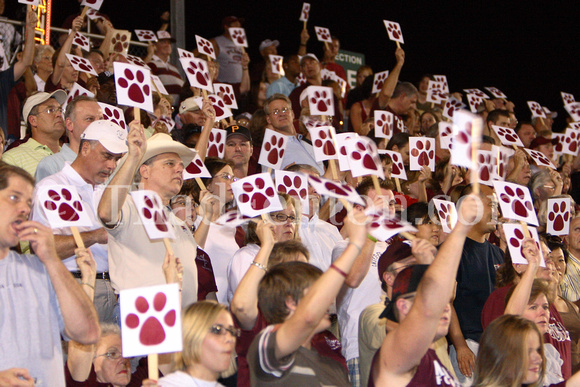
[[528, 49]]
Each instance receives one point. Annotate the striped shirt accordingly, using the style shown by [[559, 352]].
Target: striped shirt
[[27, 155], [570, 286], [169, 76]]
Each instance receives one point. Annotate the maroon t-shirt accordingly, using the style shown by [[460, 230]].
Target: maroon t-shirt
[[49, 87], [205, 277], [557, 334]]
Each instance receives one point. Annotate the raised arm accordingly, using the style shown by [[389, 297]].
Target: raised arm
[[28, 52], [116, 192], [203, 140], [244, 304], [208, 203], [403, 348], [65, 49], [245, 84], [521, 295], [314, 305], [391, 82], [105, 46], [304, 37]]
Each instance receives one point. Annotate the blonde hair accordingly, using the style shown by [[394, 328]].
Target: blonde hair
[[196, 323], [502, 358]]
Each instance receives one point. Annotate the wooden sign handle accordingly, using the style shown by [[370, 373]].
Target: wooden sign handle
[[406, 235], [332, 165], [304, 25], [153, 365], [168, 246], [526, 229], [398, 184], [200, 183], [77, 237], [137, 114], [85, 9], [398, 44]]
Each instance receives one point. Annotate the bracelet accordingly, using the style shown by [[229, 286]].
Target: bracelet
[[88, 284], [357, 246], [338, 270], [372, 238], [259, 266]]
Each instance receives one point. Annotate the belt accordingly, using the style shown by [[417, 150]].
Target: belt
[[103, 275]]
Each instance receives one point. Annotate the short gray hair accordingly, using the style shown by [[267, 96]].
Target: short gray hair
[[406, 88], [276, 97]]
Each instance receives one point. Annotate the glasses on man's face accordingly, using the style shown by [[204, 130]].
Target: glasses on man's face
[[220, 330], [283, 218], [52, 110], [550, 187], [278, 111], [111, 355], [227, 176]]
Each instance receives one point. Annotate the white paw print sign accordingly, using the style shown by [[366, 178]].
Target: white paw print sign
[[221, 110], [276, 64], [384, 124], [146, 35], [394, 31], [574, 110], [451, 106], [94, 4], [157, 84], [81, 64], [422, 153], [320, 100], [507, 136], [363, 157], [379, 81], [323, 143], [540, 158], [152, 215], [133, 84], [273, 148], [197, 72], [151, 320], [475, 102], [447, 213], [502, 156], [477, 93], [323, 34], [238, 36], [196, 169], [445, 134], [384, 226], [515, 202], [536, 109], [570, 142], [164, 120], [204, 46], [114, 114], [467, 128], [63, 207], [497, 93], [436, 93], [341, 140], [226, 92], [256, 195], [559, 215], [335, 189], [305, 13], [232, 219], [77, 90], [567, 98], [121, 41], [398, 169], [93, 14], [184, 53], [559, 146], [138, 62], [294, 184], [301, 79], [82, 41], [514, 236], [443, 79], [485, 167], [217, 143]]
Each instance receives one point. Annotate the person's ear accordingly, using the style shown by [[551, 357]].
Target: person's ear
[[291, 305], [389, 278], [144, 171], [403, 305]]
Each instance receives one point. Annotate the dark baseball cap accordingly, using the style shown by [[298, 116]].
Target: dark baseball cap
[[239, 130], [228, 20], [394, 253], [407, 281], [541, 140]]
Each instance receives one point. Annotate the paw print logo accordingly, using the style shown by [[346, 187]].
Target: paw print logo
[[559, 216], [536, 109], [423, 152], [196, 166], [379, 80], [73, 94], [185, 53], [146, 35], [216, 144], [152, 331], [508, 134], [474, 102], [439, 94], [574, 110], [82, 64], [475, 92], [120, 42], [301, 79], [539, 158], [68, 209], [323, 34], [275, 149], [519, 204], [484, 166], [322, 100], [324, 142], [239, 36], [136, 61], [293, 187], [451, 106], [134, 83], [445, 211], [199, 71], [394, 30], [227, 95], [152, 210], [257, 195], [559, 147], [115, 115], [218, 105], [443, 80], [568, 98], [517, 241], [464, 137], [384, 122], [571, 141], [204, 46], [497, 93], [363, 154], [82, 41], [445, 129], [398, 166], [91, 2]]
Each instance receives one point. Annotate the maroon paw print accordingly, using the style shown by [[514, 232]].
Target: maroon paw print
[[151, 331], [206, 47], [322, 100], [517, 241], [239, 36], [394, 30], [536, 109], [146, 35], [82, 64], [198, 70], [520, 206], [397, 164], [91, 2], [363, 155], [559, 147], [571, 141], [445, 210], [228, 95], [475, 92], [216, 144], [120, 42], [152, 211], [218, 105], [540, 158], [451, 105], [484, 167], [423, 152], [115, 116], [68, 209], [509, 135], [274, 147], [258, 195], [385, 123], [291, 186], [134, 83], [196, 166], [186, 54], [568, 99], [559, 216], [325, 143], [81, 40], [380, 80], [136, 61], [73, 95]]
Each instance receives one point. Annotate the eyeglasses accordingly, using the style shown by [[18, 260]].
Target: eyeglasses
[[549, 186], [111, 355], [220, 330], [278, 111], [284, 218], [227, 176], [52, 110]]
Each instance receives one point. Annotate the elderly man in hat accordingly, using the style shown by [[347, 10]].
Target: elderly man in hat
[[160, 66], [102, 144], [156, 164], [42, 113]]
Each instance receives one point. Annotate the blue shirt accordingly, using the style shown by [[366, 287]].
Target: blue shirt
[[282, 86], [54, 163]]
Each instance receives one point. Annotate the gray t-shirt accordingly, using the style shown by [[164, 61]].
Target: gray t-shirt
[[30, 320]]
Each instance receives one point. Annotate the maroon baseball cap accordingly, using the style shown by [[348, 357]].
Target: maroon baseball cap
[[541, 140], [394, 253], [407, 281]]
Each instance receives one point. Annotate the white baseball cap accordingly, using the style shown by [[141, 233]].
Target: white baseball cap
[[109, 134]]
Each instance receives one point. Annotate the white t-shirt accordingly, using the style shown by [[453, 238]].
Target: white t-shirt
[[221, 246], [319, 237], [181, 379], [239, 265]]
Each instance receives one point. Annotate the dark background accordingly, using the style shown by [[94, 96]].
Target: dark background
[[528, 49]]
